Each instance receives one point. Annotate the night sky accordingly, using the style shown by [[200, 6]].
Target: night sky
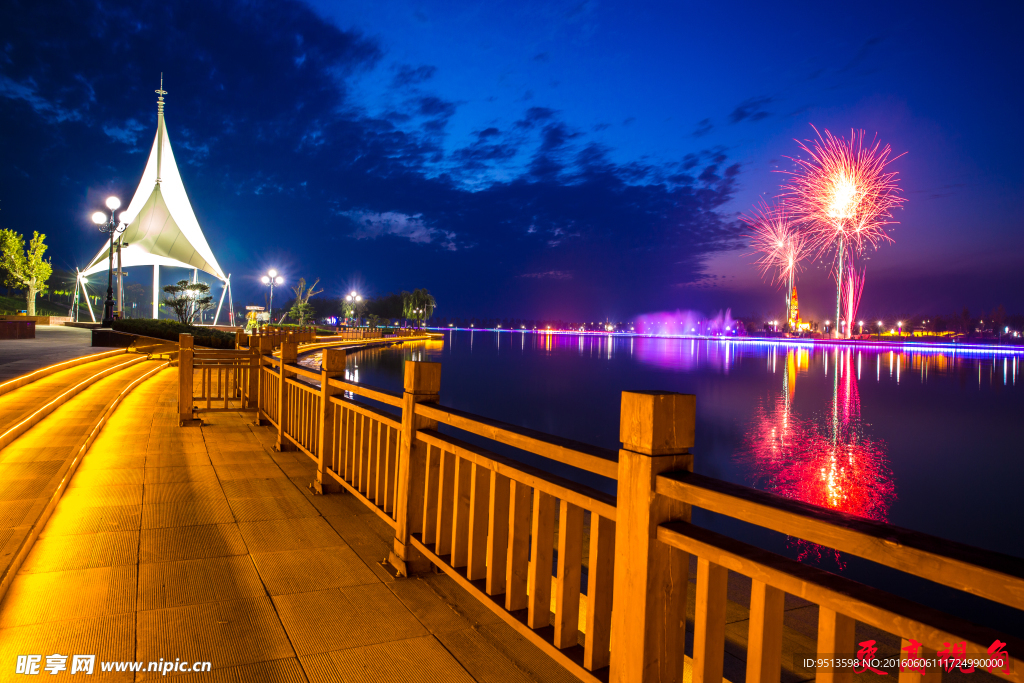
[[579, 160]]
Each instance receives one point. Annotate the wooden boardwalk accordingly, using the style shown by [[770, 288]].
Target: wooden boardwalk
[[205, 544]]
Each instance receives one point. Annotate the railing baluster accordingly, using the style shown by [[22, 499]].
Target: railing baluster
[[600, 576], [517, 571], [382, 465], [709, 622], [445, 502], [497, 534], [433, 475], [374, 457], [764, 641], [479, 502], [910, 674], [541, 551], [460, 518], [570, 563], [390, 479], [835, 639]]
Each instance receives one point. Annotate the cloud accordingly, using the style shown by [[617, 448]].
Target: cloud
[[548, 275], [371, 225], [408, 75], [28, 93], [285, 170], [703, 128], [126, 133], [752, 109]]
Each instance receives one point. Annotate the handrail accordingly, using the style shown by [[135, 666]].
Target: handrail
[[381, 395], [872, 606], [985, 573], [581, 495], [390, 420], [579, 455]]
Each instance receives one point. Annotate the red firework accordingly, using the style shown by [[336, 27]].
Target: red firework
[[779, 245], [843, 193]]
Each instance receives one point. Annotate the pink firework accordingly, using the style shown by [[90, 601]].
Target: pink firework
[[776, 241], [843, 193]]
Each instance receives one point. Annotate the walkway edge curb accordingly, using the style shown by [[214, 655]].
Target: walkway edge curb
[[8, 437], [25, 547], [28, 378]]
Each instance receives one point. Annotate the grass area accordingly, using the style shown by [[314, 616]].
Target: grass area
[[170, 329], [10, 305]]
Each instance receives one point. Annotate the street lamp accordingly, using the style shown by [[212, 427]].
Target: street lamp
[[352, 299], [899, 324], [271, 279], [113, 228], [862, 327]]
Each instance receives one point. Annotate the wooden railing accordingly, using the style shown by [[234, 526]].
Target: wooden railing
[[226, 379], [599, 582]]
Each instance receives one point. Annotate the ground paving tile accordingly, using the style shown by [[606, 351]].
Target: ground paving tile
[[206, 544]]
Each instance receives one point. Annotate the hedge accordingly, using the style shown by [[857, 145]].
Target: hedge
[[290, 326], [170, 329]]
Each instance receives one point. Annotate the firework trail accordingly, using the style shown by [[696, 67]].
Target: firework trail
[[853, 286], [778, 244], [844, 196]]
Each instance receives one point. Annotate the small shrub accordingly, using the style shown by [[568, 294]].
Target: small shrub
[[170, 329]]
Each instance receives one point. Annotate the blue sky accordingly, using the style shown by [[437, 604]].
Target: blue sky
[[527, 159]]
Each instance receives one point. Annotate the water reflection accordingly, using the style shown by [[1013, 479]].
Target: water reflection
[[828, 458]]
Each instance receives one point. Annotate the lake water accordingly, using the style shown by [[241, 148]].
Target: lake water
[[927, 440]]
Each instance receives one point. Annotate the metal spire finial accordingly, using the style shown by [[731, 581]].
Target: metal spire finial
[[160, 95]]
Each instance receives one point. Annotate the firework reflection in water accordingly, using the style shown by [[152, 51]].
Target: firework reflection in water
[[828, 461]]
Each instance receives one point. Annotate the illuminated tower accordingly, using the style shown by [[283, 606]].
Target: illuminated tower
[[794, 312]]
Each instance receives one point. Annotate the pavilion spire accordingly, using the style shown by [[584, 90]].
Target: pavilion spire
[[160, 126]]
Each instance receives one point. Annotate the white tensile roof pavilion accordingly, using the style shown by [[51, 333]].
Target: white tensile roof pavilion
[[162, 227]]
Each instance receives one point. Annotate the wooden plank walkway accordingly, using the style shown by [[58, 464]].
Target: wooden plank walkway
[[204, 544]]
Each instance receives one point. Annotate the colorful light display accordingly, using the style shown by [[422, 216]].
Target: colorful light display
[[842, 195], [779, 244], [828, 460]]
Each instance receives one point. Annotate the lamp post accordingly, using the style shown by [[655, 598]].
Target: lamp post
[[112, 228], [353, 298], [271, 279], [899, 324]]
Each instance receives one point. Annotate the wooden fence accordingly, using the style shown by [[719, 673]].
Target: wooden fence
[[227, 379], [607, 600]]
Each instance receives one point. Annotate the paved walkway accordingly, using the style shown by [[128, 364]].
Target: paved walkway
[[204, 544], [32, 467], [53, 343]]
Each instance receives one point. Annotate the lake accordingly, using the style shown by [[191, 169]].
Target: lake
[[925, 439]]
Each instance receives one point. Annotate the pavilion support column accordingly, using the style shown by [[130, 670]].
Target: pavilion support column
[[422, 385], [649, 603], [156, 292], [333, 365]]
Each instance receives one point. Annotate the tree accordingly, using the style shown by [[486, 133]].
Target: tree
[[187, 299], [372, 320], [302, 310], [419, 305], [25, 269]]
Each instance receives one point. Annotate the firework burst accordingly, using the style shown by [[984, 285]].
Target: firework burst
[[778, 244], [843, 192], [844, 196]]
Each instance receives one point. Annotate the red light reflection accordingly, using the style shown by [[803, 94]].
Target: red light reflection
[[828, 461]]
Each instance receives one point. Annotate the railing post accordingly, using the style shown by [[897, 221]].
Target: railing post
[[649, 601], [333, 365], [185, 353], [422, 384], [252, 386], [289, 354]]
